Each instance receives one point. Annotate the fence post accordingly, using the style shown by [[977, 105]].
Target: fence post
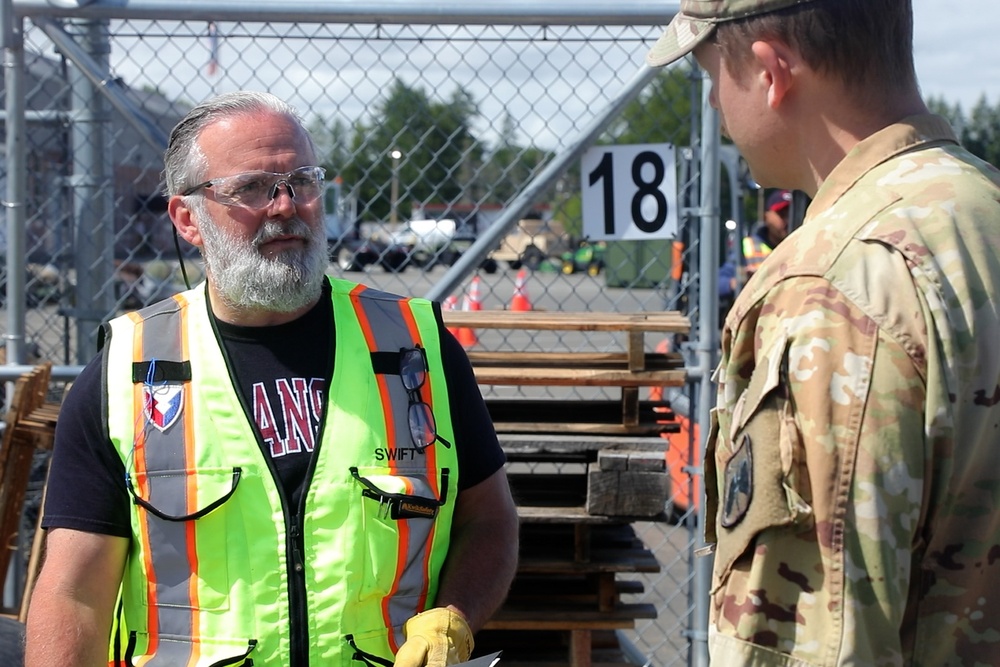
[[708, 346], [93, 193]]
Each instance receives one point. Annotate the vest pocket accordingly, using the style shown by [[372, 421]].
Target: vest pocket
[[183, 495], [362, 645], [174, 650], [399, 509], [184, 507]]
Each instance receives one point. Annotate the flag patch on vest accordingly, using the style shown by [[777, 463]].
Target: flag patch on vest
[[162, 404]]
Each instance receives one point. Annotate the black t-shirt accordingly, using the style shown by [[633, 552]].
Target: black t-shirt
[[282, 374]]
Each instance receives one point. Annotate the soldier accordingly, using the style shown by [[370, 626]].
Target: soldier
[[853, 464]]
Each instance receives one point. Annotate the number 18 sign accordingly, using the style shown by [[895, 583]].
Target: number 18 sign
[[629, 192]]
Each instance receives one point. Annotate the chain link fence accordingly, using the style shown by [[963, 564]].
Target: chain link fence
[[435, 132]]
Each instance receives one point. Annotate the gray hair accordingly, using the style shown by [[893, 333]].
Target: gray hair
[[184, 162]]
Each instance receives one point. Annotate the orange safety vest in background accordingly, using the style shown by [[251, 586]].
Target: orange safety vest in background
[[754, 251]]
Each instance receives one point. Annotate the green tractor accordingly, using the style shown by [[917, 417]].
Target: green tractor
[[587, 257]]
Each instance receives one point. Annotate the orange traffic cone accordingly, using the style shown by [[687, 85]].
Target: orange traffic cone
[[656, 392], [520, 300], [451, 303], [466, 335]]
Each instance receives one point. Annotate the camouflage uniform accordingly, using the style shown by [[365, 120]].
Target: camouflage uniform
[[855, 480]]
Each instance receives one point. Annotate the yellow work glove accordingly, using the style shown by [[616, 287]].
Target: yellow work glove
[[435, 638]]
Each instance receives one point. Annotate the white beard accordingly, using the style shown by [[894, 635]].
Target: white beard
[[246, 279]]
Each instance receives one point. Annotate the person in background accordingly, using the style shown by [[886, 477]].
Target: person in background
[[853, 459], [274, 468], [765, 237]]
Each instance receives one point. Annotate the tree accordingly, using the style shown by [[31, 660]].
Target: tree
[[439, 151], [661, 113], [508, 166], [981, 134]]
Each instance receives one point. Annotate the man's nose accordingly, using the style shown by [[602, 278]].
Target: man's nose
[[282, 199]]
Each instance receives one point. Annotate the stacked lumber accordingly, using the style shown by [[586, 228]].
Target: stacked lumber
[[29, 426], [582, 473]]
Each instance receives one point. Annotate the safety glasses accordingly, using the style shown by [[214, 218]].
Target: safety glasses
[[413, 373], [257, 189]]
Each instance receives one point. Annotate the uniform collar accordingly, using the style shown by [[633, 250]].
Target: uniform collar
[[908, 134]]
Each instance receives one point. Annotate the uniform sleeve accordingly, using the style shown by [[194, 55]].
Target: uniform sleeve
[[479, 452], [820, 465], [86, 483]]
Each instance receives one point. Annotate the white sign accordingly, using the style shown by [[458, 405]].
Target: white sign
[[629, 192]]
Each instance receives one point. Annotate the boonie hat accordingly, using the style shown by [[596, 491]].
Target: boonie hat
[[697, 19], [779, 200]]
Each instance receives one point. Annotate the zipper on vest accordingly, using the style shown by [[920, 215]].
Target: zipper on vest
[[297, 599], [297, 606], [297, 563]]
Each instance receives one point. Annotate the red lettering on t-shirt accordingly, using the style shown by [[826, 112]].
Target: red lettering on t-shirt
[[294, 426]]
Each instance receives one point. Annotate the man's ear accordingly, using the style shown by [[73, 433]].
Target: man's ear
[[776, 68], [184, 220]]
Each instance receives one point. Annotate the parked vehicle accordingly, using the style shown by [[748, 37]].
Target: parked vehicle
[[351, 251], [431, 242], [531, 242]]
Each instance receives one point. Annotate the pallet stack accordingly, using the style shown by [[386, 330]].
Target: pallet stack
[[582, 472]]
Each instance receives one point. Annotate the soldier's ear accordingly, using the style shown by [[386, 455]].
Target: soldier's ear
[[776, 63], [185, 220]]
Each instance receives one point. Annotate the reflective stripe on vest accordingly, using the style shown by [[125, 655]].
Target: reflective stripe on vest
[[170, 577], [379, 316]]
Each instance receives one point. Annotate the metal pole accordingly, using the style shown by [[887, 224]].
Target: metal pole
[[394, 188], [388, 12], [707, 347], [17, 174], [14, 340], [547, 177], [93, 203], [97, 74]]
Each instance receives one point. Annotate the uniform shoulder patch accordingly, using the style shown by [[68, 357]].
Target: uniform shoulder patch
[[738, 484]]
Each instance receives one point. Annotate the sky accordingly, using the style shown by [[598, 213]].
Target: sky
[[956, 50], [339, 73]]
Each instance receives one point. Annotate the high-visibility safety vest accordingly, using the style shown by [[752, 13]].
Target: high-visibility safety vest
[[754, 250], [214, 574]]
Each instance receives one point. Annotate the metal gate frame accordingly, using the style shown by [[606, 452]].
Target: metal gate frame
[[90, 19]]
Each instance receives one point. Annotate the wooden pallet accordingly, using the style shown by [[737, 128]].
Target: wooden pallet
[[613, 478], [30, 425], [629, 369], [567, 593], [582, 417], [582, 472]]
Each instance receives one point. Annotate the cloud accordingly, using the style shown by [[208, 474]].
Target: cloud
[[955, 52]]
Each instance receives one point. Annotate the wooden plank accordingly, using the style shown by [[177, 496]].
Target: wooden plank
[[539, 618], [556, 515], [636, 354], [601, 560], [579, 648], [653, 321], [644, 429], [524, 445], [630, 406], [626, 492], [578, 377], [623, 360], [562, 411]]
